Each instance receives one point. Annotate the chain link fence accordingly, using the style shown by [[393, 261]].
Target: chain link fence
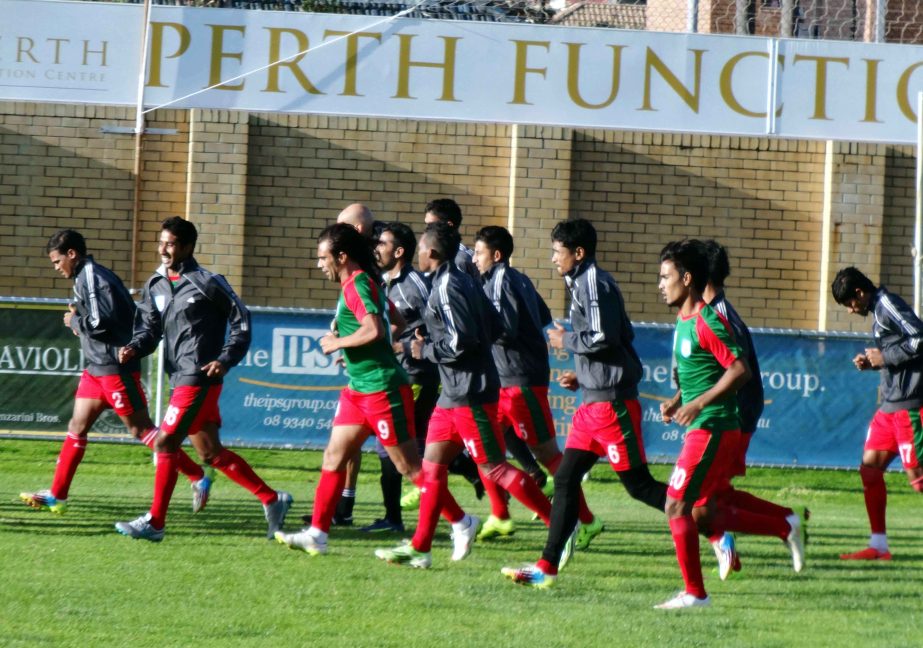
[[891, 21]]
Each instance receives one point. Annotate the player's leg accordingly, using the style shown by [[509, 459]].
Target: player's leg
[[390, 480], [344, 511]]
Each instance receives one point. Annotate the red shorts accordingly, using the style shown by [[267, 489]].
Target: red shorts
[[610, 429], [526, 410], [703, 465], [122, 392], [898, 432], [739, 460], [191, 407], [389, 414], [473, 426]]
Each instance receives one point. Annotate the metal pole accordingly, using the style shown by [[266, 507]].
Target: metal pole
[[881, 20], [139, 142], [918, 208], [692, 16], [787, 19], [772, 86], [825, 237]]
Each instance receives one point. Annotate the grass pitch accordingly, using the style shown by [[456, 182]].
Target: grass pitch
[[215, 580]]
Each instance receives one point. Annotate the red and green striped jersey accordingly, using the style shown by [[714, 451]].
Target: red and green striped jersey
[[704, 347], [372, 367]]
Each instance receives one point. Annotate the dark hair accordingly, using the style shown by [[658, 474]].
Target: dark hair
[[847, 282], [346, 239], [67, 239], [497, 239], [719, 265], [403, 238], [446, 210], [184, 231], [574, 233], [688, 255], [443, 239]]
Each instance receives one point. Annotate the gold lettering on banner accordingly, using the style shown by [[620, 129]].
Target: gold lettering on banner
[[903, 88], [25, 51], [157, 55], [573, 75], [871, 90], [448, 67], [691, 99], [820, 81], [218, 53], [726, 85], [57, 48], [275, 47], [521, 69], [352, 58], [87, 51]]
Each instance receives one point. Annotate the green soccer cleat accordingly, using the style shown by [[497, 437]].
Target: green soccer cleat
[[405, 554], [411, 499], [44, 500], [586, 533], [494, 527]]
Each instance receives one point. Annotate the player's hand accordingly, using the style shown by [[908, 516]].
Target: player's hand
[[568, 380], [126, 353], [861, 362], [874, 357], [667, 408], [686, 414], [397, 347], [416, 345], [214, 369], [69, 315], [556, 336], [329, 343]]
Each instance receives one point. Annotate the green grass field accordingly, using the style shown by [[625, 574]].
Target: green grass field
[[216, 581]]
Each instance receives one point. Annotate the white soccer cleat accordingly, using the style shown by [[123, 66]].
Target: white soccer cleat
[[795, 542], [726, 553], [302, 540], [682, 601], [463, 539]]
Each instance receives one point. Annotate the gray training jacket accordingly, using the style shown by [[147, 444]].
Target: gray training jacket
[[520, 352], [608, 367], [898, 332], [200, 319], [103, 320], [460, 328], [409, 292]]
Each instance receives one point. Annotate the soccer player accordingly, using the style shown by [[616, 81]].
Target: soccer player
[[748, 513], [895, 429], [608, 421], [101, 315], [378, 399], [521, 356], [206, 331], [459, 323], [710, 368]]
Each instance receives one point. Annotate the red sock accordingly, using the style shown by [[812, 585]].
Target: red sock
[[876, 496], [451, 511], [240, 472], [753, 504], [584, 514], [434, 486], [547, 567], [72, 451], [499, 501], [740, 521], [185, 464], [328, 493], [686, 540], [164, 483], [521, 486]]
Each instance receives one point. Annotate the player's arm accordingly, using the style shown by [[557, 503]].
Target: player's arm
[[148, 329], [668, 407], [371, 328], [507, 303], [461, 334], [908, 349], [239, 334], [734, 377], [396, 321], [604, 315], [102, 318]]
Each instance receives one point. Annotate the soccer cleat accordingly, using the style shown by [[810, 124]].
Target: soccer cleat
[[405, 554], [411, 499], [529, 575], [869, 553], [275, 513], [495, 527], [567, 553], [805, 514], [795, 542], [382, 525], [302, 540], [43, 499], [200, 491], [463, 539], [548, 489], [140, 529], [586, 533], [683, 600], [726, 553]]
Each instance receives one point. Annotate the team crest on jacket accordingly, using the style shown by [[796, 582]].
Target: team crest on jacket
[[685, 347], [160, 301]]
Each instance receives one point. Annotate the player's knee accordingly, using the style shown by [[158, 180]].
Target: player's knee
[[77, 429], [870, 474]]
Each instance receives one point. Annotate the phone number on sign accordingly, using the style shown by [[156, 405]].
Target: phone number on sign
[[298, 423]]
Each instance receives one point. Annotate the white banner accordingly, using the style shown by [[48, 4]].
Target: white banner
[[461, 71]]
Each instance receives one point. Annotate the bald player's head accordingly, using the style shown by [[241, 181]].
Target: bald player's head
[[360, 217]]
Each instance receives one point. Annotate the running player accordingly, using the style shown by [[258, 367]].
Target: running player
[[895, 429], [206, 331], [101, 315]]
